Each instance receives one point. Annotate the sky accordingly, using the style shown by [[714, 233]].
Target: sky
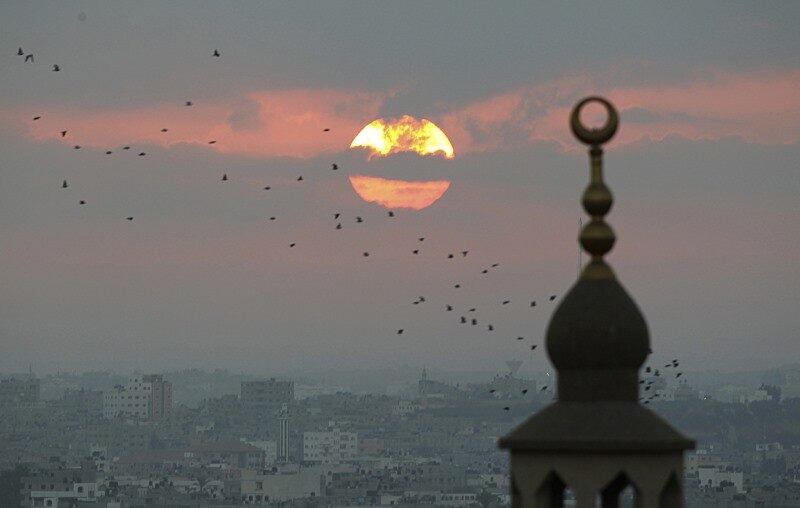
[[704, 170]]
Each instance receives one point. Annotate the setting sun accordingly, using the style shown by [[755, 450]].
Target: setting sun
[[398, 193], [405, 134]]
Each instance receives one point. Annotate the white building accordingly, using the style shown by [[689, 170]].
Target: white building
[[84, 491], [330, 446], [711, 476], [146, 397]]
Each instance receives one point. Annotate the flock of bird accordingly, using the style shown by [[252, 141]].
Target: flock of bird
[[468, 317]]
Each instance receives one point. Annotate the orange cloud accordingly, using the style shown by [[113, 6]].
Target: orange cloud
[[759, 108], [267, 123], [398, 193]]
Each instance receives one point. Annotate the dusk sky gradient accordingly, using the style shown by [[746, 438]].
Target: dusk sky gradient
[[705, 171]]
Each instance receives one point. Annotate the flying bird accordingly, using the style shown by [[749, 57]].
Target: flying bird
[[506, 408], [485, 271], [552, 297], [63, 133], [359, 219], [212, 141], [216, 52], [82, 202], [339, 226], [292, 245], [29, 57], [492, 390], [64, 185], [77, 147], [457, 286], [142, 154], [336, 215], [334, 166], [495, 265], [224, 177], [533, 303], [188, 103], [464, 253], [679, 374], [267, 187], [164, 130], [390, 213], [300, 178], [400, 331], [450, 256], [533, 347], [366, 254], [474, 322], [109, 152], [415, 251], [490, 328], [520, 338], [463, 320], [129, 218], [272, 218], [544, 388], [506, 302], [524, 391], [36, 118], [448, 308], [326, 129], [56, 68], [126, 148], [20, 52]]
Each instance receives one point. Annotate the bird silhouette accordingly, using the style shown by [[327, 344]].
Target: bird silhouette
[[126, 148], [81, 202], [64, 184], [359, 219], [552, 297], [339, 226], [109, 152], [544, 388], [292, 245], [400, 331], [390, 213], [463, 319], [415, 251], [63, 133], [36, 118], [212, 141], [334, 166], [524, 391], [485, 271], [224, 177], [336, 215], [533, 347], [142, 154], [492, 390], [520, 338], [495, 265], [272, 218], [267, 187], [448, 308], [164, 130], [29, 58], [506, 302], [77, 147], [300, 178], [188, 103], [474, 321], [490, 328], [506, 408], [450, 256], [216, 53], [129, 218], [647, 369], [56, 68], [464, 253], [20, 52], [679, 374], [326, 129], [533, 303], [457, 286], [471, 310]]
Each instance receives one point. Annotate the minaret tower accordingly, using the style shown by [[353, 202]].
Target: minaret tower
[[596, 439]]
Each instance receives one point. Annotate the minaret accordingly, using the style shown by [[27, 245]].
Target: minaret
[[283, 438], [596, 439]]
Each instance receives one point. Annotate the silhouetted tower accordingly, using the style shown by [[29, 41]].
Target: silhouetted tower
[[596, 439], [283, 437]]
